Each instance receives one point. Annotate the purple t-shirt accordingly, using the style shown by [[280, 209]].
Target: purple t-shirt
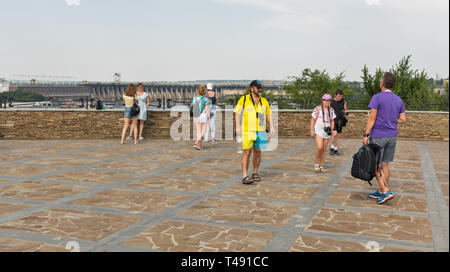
[[389, 107]]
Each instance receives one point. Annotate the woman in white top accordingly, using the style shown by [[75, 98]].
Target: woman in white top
[[322, 127], [128, 98], [143, 102]]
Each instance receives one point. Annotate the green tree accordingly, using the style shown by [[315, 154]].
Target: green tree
[[413, 87], [307, 89], [21, 96]]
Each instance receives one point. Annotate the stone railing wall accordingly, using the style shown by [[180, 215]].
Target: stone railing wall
[[88, 124]]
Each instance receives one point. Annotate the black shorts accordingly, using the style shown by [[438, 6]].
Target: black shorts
[[338, 124]]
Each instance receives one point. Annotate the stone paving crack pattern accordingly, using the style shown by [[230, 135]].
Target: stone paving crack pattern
[[173, 179]]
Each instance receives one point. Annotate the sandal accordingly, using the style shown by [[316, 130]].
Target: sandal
[[316, 168], [322, 170], [256, 178], [247, 181]]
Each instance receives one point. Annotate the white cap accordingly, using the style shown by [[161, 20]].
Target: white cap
[[209, 86]]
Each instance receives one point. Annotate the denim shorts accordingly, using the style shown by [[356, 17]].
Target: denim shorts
[[127, 113], [388, 146]]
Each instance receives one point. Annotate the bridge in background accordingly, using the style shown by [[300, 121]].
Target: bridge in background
[[180, 92]]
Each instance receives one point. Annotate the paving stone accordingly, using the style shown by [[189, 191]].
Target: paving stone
[[130, 166], [91, 176], [206, 172], [398, 203], [132, 200], [441, 167], [443, 177], [199, 204], [290, 178], [394, 186], [41, 191], [24, 171], [406, 165], [444, 188], [370, 224], [189, 237], [264, 191], [252, 212], [71, 224], [14, 157], [174, 184], [7, 208], [319, 244], [63, 161], [406, 175], [14, 245]]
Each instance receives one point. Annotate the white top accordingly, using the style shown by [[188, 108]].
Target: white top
[[321, 122]]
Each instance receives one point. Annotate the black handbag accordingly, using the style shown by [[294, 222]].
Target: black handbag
[[344, 122], [135, 110]]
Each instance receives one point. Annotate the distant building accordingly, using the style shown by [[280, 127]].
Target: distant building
[[4, 85], [440, 86]]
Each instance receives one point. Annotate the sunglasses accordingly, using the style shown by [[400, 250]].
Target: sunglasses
[[326, 100]]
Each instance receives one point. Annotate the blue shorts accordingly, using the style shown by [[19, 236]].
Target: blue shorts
[[127, 113], [260, 142]]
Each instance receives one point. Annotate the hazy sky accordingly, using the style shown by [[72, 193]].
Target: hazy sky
[[173, 40]]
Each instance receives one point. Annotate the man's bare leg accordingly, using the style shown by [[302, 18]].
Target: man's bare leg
[[245, 161], [256, 160]]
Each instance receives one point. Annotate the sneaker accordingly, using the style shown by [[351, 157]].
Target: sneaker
[[336, 152], [385, 197], [129, 138], [141, 138], [375, 195], [332, 151]]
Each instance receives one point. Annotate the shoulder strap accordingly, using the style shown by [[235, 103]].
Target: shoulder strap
[[317, 117]]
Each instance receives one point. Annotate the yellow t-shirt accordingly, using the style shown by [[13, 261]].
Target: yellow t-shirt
[[129, 101], [251, 121]]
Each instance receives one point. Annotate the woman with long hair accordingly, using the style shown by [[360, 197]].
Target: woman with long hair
[[322, 127], [129, 97], [143, 102], [201, 109]]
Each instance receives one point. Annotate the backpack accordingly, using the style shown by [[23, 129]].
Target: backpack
[[135, 110], [195, 107], [365, 162]]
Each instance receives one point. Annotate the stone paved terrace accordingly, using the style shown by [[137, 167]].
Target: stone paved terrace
[[163, 195]]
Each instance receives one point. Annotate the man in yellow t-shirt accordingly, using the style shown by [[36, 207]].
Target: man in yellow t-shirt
[[255, 111]]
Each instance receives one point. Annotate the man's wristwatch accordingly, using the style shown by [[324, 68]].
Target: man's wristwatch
[[366, 134]]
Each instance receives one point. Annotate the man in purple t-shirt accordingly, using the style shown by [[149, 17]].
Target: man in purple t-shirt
[[386, 110]]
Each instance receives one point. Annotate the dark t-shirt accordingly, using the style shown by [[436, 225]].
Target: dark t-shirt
[[338, 107]]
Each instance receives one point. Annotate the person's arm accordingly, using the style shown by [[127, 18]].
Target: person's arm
[[313, 121], [370, 123], [332, 123], [239, 109], [238, 123], [272, 128], [148, 101], [217, 99], [345, 107], [402, 118]]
